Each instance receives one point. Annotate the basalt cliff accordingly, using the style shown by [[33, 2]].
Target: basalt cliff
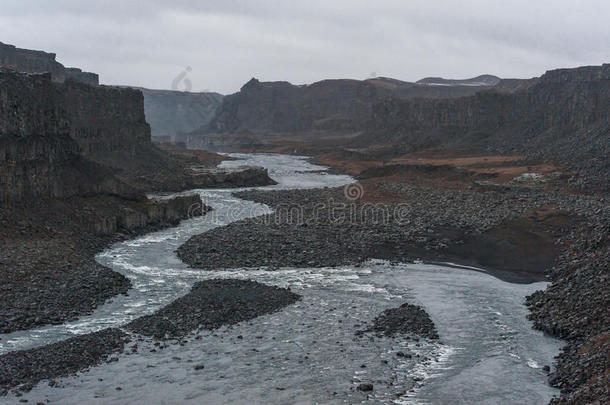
[[59, 207]]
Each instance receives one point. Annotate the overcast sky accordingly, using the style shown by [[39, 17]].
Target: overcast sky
[[225, 43]]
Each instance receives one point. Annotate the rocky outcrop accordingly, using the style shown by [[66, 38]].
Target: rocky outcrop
[[243, 176], [128, 218], [108, 123], [29, 61], [176, 113], [37, 155]]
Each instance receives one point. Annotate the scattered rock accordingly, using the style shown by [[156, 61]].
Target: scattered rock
[[365, 387]]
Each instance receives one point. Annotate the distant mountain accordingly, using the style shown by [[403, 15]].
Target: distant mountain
[[483, 80], [339, 105]]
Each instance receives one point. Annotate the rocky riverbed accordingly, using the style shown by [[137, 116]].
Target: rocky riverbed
[[480, 320], [209, 305], [523, 234]]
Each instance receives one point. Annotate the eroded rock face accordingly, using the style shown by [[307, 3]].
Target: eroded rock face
[[108, 123], [26, 60], [37, 155], [243, 176], [135, 217]]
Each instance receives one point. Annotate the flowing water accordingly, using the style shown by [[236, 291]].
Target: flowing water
[[308, 352]]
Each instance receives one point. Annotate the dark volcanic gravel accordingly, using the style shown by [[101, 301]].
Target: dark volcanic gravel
[[407, 320], [25, 368], [211, 304], [57, 295], [311, 228]]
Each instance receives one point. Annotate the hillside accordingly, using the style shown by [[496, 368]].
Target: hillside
[[562, 118]]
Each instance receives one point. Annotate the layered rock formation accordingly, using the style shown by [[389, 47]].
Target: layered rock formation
[[244, 176], [37, 155], [108, 123], [102, 127], [26, 60]]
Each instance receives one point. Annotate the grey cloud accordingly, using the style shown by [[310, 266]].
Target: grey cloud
[[227, 42]]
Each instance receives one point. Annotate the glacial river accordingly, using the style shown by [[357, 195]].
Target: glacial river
[[308, 352]]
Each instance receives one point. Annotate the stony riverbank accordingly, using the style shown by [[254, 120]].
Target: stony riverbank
[[25, 368], [48, 274], [325, 228], [209, 305]]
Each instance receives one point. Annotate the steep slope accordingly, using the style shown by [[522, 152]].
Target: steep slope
[[37, 155]]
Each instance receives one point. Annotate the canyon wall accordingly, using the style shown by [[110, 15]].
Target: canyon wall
[[38, 158], [108, 123], [30, 61], [563, 117], [563, 100], [328, 105]]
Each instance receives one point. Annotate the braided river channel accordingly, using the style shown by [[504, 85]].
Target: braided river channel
[[308, 352]]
